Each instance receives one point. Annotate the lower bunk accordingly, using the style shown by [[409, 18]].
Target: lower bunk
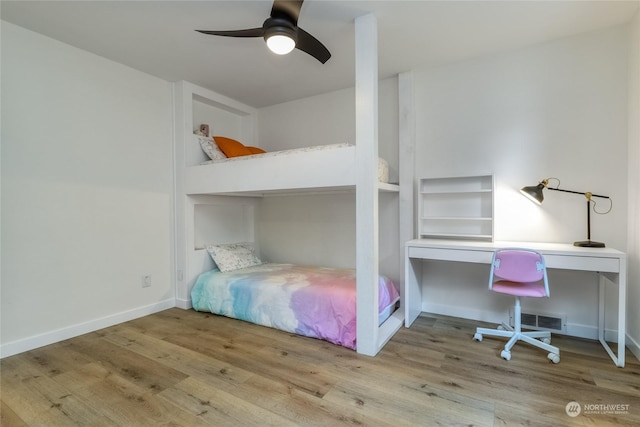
[[318, 302]]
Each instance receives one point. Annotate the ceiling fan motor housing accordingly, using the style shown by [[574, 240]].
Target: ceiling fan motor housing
[[279, 26]]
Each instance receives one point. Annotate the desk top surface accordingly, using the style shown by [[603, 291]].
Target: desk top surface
[[544, 247]]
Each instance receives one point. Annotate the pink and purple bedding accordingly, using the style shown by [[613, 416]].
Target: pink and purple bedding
[[316, 302]]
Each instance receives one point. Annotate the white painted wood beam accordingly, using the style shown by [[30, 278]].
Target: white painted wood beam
[[406, 140], [366, 46]]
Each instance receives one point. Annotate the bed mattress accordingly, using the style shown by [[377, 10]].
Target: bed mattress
[[316, 302], [383, 166]]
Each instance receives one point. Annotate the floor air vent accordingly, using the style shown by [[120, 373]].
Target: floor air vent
[[543, 322]]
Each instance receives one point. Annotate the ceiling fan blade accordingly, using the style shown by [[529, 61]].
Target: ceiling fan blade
[[287, 9], [309, 44], [251, 32]]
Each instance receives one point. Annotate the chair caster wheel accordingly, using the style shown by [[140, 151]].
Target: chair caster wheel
[[506, 355], [546, 340], [555, 358], [501, 328], [478, 337]]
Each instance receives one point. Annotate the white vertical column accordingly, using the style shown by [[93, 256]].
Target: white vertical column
[[182, 126], [366, 44], [406, 156]]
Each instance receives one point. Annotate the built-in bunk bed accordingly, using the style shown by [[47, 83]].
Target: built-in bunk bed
[[213, 220]]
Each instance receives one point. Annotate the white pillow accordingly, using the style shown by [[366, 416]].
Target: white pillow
[[233, 256], [211, 149]]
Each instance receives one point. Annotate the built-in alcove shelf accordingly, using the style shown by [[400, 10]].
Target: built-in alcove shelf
[[456, 207]]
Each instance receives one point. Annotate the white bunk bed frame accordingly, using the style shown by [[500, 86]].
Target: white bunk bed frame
[[191, 188], [295, 172]]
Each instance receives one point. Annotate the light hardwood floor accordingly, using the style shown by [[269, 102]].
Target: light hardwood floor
[[183, 368]]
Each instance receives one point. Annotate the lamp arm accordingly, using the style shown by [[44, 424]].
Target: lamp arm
[[588, 194]]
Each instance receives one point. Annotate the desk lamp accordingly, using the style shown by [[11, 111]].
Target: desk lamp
[[534, 193]]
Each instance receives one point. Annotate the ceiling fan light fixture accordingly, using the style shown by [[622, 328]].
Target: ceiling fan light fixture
[[281, 32], [280, 44]]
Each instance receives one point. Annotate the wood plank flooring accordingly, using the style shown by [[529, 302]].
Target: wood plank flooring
[[183, 368]]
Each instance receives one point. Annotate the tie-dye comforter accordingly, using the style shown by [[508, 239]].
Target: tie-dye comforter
[[316, 302]]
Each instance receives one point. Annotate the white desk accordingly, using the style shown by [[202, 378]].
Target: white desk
[[609, 263]]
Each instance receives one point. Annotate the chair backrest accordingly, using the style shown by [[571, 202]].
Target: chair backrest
[[518, 265]]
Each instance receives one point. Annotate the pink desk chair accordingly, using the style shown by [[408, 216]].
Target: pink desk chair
[[521, 273]]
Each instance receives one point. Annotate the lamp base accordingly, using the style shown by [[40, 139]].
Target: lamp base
[[589, 244]]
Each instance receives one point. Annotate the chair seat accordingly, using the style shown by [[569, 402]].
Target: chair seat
[[535, 289]]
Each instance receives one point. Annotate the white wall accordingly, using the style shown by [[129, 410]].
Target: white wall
[[320, 229], [633, 300], [317, 120], [557, 109], [86, 191], [330, 119]]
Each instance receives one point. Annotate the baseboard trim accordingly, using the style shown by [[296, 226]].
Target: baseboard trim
[[634, 346], [36, 341], [573, 329], [183, 304]]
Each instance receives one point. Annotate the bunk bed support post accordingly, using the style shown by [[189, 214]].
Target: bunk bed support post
[[366, 52], [406, 155]]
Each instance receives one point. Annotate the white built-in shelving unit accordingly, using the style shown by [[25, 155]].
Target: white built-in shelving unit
[[456, 208]]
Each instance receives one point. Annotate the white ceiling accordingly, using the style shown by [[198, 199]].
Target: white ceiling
[[158, 37]]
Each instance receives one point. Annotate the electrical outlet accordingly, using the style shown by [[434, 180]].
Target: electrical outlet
[[146, 280]]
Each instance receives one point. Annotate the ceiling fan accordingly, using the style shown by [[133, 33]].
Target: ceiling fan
[[281, 32]]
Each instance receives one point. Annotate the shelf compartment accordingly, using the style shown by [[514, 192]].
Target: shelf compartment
[[456, 208], [442, 226], [464, 184], [462, 204]]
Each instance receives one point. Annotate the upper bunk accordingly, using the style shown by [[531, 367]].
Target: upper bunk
[[319, 169], [326, 168]]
